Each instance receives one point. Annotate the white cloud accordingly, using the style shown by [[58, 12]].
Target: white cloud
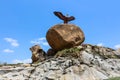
[[100, 44], [12, 41], [41, 41], [34, 42], [8, 51], [22, 61], [42, 38], [45, 44], [117, 46]]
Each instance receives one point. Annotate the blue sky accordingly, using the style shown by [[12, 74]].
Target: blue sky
[[25, 22]]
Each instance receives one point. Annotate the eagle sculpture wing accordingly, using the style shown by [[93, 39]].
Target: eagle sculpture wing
[[59, 15], [64, 18], [70, 18]]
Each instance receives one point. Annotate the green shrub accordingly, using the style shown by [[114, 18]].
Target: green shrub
[[114, 78], [71, 52]]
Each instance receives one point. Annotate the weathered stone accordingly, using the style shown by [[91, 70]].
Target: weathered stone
[[37, 54], [93, 66], [51, 52], [63, 36], [118, 50]]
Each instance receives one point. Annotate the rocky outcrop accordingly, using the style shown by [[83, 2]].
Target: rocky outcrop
[[103, 52], [85, 62], [63, 36], [38, 54]]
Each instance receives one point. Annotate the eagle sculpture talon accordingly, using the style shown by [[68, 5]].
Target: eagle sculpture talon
[[66, 19]]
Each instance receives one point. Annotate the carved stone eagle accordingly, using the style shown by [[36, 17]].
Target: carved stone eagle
[[66, 19]]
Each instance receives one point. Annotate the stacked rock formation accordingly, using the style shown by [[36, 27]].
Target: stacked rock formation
[[63, 36], [92, 63], [38, 54]]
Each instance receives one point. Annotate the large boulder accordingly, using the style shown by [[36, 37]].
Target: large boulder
[[63, 36], [38, 54]]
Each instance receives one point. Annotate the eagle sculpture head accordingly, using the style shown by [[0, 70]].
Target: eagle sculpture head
[[66, 19]]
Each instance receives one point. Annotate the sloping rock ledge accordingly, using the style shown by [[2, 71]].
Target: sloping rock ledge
[[85, 62]]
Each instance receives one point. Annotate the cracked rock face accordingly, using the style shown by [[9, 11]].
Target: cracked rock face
[[91, 65], [63, 36]]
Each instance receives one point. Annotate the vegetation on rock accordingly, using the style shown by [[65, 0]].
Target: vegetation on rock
[[103, 52], [114, 78], [71, 52]]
